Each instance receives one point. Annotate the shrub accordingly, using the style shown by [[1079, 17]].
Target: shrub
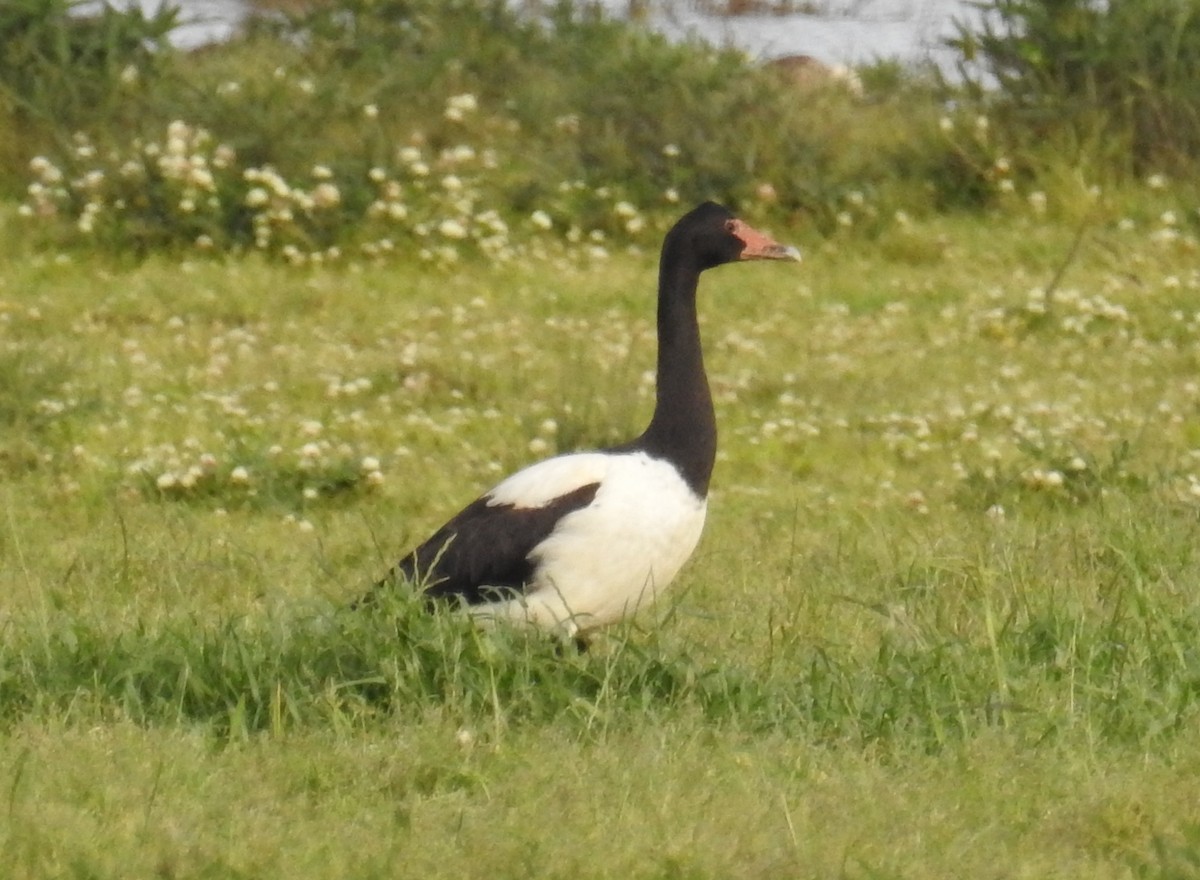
[[440, 128], [59, 68], [1117, 79]]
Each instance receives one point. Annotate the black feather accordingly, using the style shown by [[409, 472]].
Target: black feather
[[482, 554]]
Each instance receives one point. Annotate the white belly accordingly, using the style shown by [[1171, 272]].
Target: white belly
[[605, 561]]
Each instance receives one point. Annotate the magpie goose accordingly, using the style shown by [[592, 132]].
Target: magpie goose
[[582, 540]]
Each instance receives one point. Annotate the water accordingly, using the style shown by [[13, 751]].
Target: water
[[204, 21], [848, 31]]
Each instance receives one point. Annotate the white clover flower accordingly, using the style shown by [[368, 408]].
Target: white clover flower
[[1156, 181], [452, 229], [201, 178], [624, 209], [239, 476], [541, 220], [671, 151], [458, 106], [671, 195], [493, 221], [166, 480], [257, 197], [129, 74], [321, 172], [459, 154], [370, 111], [451, 183], [276, 183], [369, 463], [1043, 479], [326, 195], [1037, 201]]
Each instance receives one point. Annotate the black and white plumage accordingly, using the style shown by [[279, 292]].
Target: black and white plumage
[[582, 540]]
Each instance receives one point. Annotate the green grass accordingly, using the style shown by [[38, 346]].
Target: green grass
[[941, 623]]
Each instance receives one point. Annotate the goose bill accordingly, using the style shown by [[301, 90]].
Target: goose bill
[[760, 246]]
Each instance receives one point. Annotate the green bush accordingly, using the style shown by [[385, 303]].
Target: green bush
[[448, 130], [1118, 80], [63, 68]]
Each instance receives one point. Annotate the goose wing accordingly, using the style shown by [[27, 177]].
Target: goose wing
[[485, 552]]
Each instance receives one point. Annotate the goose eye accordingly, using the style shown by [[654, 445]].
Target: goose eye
[[730, 225]]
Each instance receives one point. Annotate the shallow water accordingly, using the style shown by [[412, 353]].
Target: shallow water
[[848, 31]]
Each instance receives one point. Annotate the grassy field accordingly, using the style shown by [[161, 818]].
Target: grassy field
[[942, 622]]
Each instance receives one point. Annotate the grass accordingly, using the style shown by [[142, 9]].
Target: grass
[[940, 623]]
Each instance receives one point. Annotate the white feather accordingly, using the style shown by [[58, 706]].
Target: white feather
[[605, 561], [539, 484]]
